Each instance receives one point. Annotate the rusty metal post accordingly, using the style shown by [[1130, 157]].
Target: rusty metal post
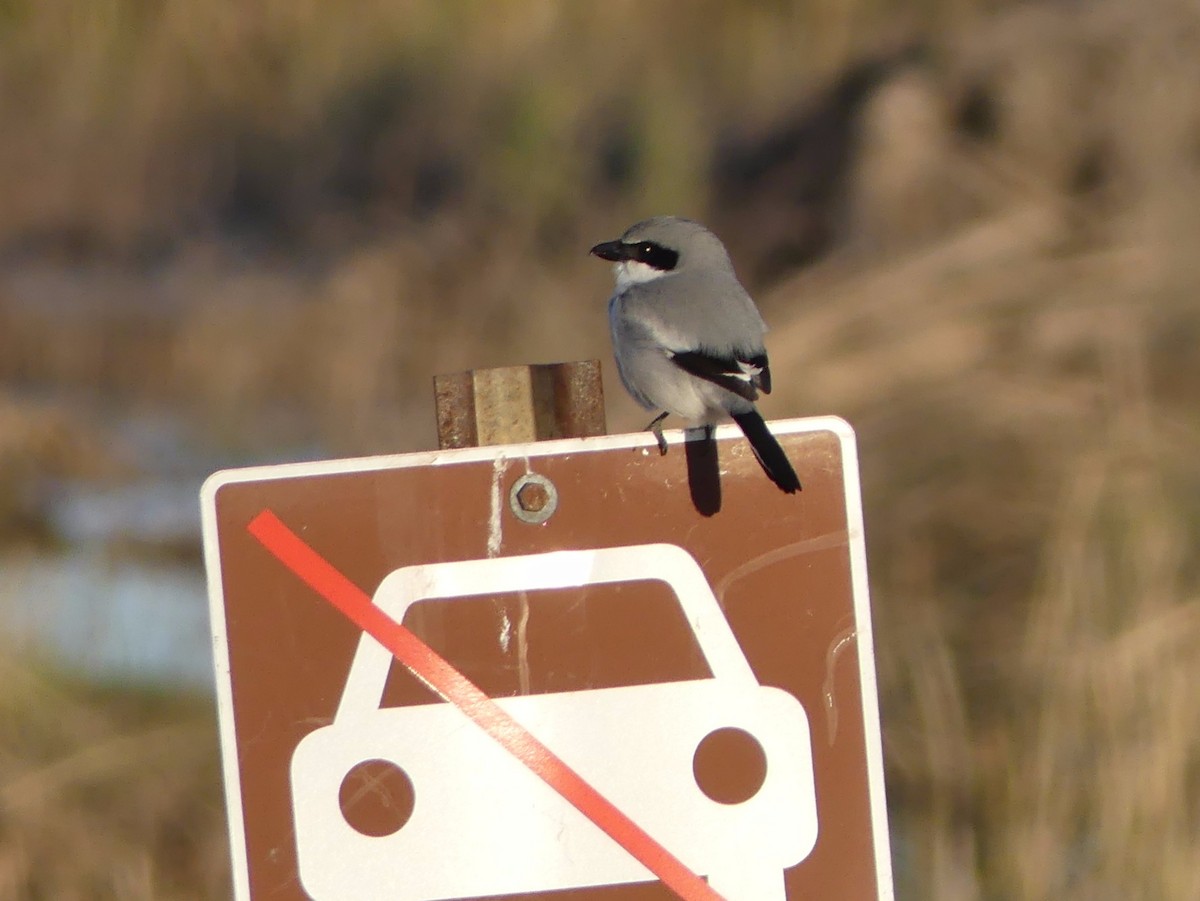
[[514, 404]]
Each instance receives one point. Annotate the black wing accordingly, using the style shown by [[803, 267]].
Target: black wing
[[744, 376]]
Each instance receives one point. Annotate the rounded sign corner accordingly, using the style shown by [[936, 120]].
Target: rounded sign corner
[[213, 484]]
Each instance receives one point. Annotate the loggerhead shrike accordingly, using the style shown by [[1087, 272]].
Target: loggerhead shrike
[[687, 337]]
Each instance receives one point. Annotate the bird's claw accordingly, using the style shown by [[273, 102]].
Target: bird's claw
[[662, 442], [655, 426]]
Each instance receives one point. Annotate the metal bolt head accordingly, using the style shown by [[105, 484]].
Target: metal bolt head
[[533, 498]]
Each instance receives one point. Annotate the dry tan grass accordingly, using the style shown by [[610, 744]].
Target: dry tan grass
[[1010, 322], [1031, 463], [107, 794]]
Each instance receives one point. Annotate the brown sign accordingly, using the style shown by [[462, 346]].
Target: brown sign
[[569, 669]]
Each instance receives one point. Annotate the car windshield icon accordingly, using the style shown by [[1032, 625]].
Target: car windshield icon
[[481, 823]]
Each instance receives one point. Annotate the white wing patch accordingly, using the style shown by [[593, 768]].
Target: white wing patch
[[748, 371]]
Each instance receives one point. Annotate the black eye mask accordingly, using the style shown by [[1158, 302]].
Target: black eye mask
[[654, 255]]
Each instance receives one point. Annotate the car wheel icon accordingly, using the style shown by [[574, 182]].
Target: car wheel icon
[[730, 765], [376, 798], [419, 803]]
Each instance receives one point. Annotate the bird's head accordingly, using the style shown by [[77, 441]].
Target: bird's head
[[661, 246]]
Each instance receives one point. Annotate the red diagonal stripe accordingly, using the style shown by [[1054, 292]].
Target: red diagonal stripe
[[437, 673]]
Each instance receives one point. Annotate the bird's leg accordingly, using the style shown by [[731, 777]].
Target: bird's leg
[[655, 426]]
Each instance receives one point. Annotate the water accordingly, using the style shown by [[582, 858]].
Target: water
[[109, 618], [126, 599]]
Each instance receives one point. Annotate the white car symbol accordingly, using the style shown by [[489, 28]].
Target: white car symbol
[[483, 824]]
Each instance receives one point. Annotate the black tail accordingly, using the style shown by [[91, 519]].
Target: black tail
[[770, 455]]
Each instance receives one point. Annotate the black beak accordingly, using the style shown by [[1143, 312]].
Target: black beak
[[613, 251]]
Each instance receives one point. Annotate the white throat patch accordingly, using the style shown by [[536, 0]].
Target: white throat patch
[[633, 272]]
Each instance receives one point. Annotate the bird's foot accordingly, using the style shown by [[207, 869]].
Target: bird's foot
[[662, 442], [655, 426]]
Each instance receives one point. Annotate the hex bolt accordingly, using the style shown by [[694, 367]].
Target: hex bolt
[[533, 498]]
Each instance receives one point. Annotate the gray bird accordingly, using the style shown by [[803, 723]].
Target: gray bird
[[687, 338]]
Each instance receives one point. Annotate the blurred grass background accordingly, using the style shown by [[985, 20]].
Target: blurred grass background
[[972, 225]]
